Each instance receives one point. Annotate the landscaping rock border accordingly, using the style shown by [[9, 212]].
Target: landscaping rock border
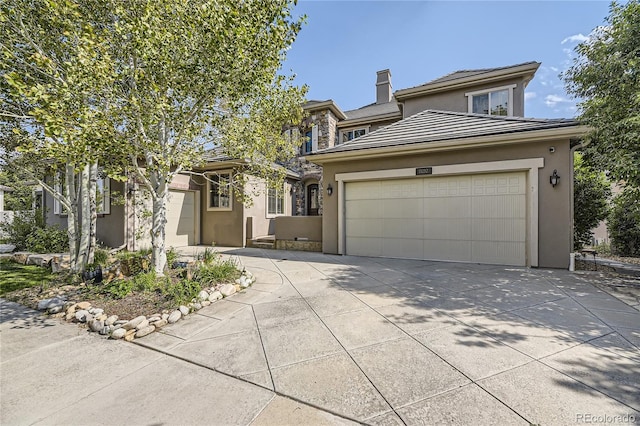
[[100, 322]]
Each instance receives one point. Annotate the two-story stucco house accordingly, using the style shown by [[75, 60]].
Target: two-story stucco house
[[447, 170]]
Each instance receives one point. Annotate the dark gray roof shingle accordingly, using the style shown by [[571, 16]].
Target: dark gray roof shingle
[[433, 125], [373, 110]]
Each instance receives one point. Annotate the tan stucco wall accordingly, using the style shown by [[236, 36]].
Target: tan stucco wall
[[222, 228], [109, 227], [455, 100], [292, 227], [554, 203]]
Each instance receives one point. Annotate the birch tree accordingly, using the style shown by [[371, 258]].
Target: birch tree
[[57, 73], [200, 72]]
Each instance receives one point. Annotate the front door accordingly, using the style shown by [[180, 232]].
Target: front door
[[313, 201]]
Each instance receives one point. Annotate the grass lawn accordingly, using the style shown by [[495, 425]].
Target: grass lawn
[[14, 276]]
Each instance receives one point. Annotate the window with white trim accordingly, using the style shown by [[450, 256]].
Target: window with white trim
[[310, 141], [103, 195], [347, 135], [275, 201], [496, 101], [59, 187], [219, 191]]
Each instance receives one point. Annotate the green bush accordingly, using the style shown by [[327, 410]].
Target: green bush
[[119, 289], [223, 271], [183, 291], [50, 239], [172, 256], [101, 257], [209, 256], [23, 224], [624, 223], [591, 192], [135, 262]]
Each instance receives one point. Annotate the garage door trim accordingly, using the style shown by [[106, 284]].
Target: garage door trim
[[529, 165]]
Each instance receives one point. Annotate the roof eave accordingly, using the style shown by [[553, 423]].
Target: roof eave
[[335, 109], [527, 71], [452, 144], [369, 119]]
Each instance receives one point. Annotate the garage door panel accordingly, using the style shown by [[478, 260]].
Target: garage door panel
[[364, 228], [447, 229], [502, 252], [447, 250], [402, 228], [452, 186], [513, 230], [505, 206], [364, 246], [181, 214], [363, 209], [407, 248], [363, 191], [471, 218], [458, 207], [401, 188], [402, 208]]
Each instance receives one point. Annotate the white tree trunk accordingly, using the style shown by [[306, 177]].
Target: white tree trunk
[[159, 220], [85, 218], [72, 217], [93, 213]]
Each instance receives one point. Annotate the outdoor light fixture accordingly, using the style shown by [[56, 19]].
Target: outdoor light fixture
[[329, 190], [554, 178]]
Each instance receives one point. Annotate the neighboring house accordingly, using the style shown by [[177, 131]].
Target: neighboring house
[[446, 170]]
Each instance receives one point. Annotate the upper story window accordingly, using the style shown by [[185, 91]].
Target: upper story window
[[347, 135], [310, 141], [496, 101], [219, 191]]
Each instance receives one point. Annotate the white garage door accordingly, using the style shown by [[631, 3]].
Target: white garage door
[[181, 219], [473, 218]]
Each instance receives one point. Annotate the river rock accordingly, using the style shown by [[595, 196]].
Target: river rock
[[197, 306], [111, 320], [119, 333], [160, 323], [216, 295], [145, 330], [81, 315], [203, 295], [7, 248], [134, 322], [227, 290], [205, 303], [96, 312], [165, 316], [175, 316], [143, 324], [46, 304], [184, 310], [105, 330], [95, 325], [83, 305], [55, 309]]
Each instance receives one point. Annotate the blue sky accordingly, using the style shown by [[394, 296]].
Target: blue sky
[[344, 43]]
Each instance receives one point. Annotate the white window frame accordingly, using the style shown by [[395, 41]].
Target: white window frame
[[314, 141], [105, 203], [57, 187], [210, 175], [352, 129], [510, 88], [279, 191]]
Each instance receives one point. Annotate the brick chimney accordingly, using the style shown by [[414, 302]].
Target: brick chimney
[[383, 87]]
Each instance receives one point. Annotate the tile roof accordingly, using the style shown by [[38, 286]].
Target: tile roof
[[215, 154], [433, 125], [372, 110], [460, 74]]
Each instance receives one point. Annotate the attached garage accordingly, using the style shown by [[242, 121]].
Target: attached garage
[[471, 218], [454, 187], [180, 229]]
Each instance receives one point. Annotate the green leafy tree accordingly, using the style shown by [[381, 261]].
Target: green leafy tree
[[201, 72], [624, 223], [606, 76], [55, 98], [591, 192]]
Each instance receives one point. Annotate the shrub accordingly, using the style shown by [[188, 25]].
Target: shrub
[[183, 291], [216, 273], [624, 223], [591, 194], [49, 239], [23, 224], [119, 289], [101, 257], [209, 256], [172, 256], [135, 262]]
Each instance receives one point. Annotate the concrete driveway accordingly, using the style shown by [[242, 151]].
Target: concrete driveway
[[330, 339]]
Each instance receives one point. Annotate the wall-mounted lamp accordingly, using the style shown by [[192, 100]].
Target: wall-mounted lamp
[[554, 179], [329, 190]]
